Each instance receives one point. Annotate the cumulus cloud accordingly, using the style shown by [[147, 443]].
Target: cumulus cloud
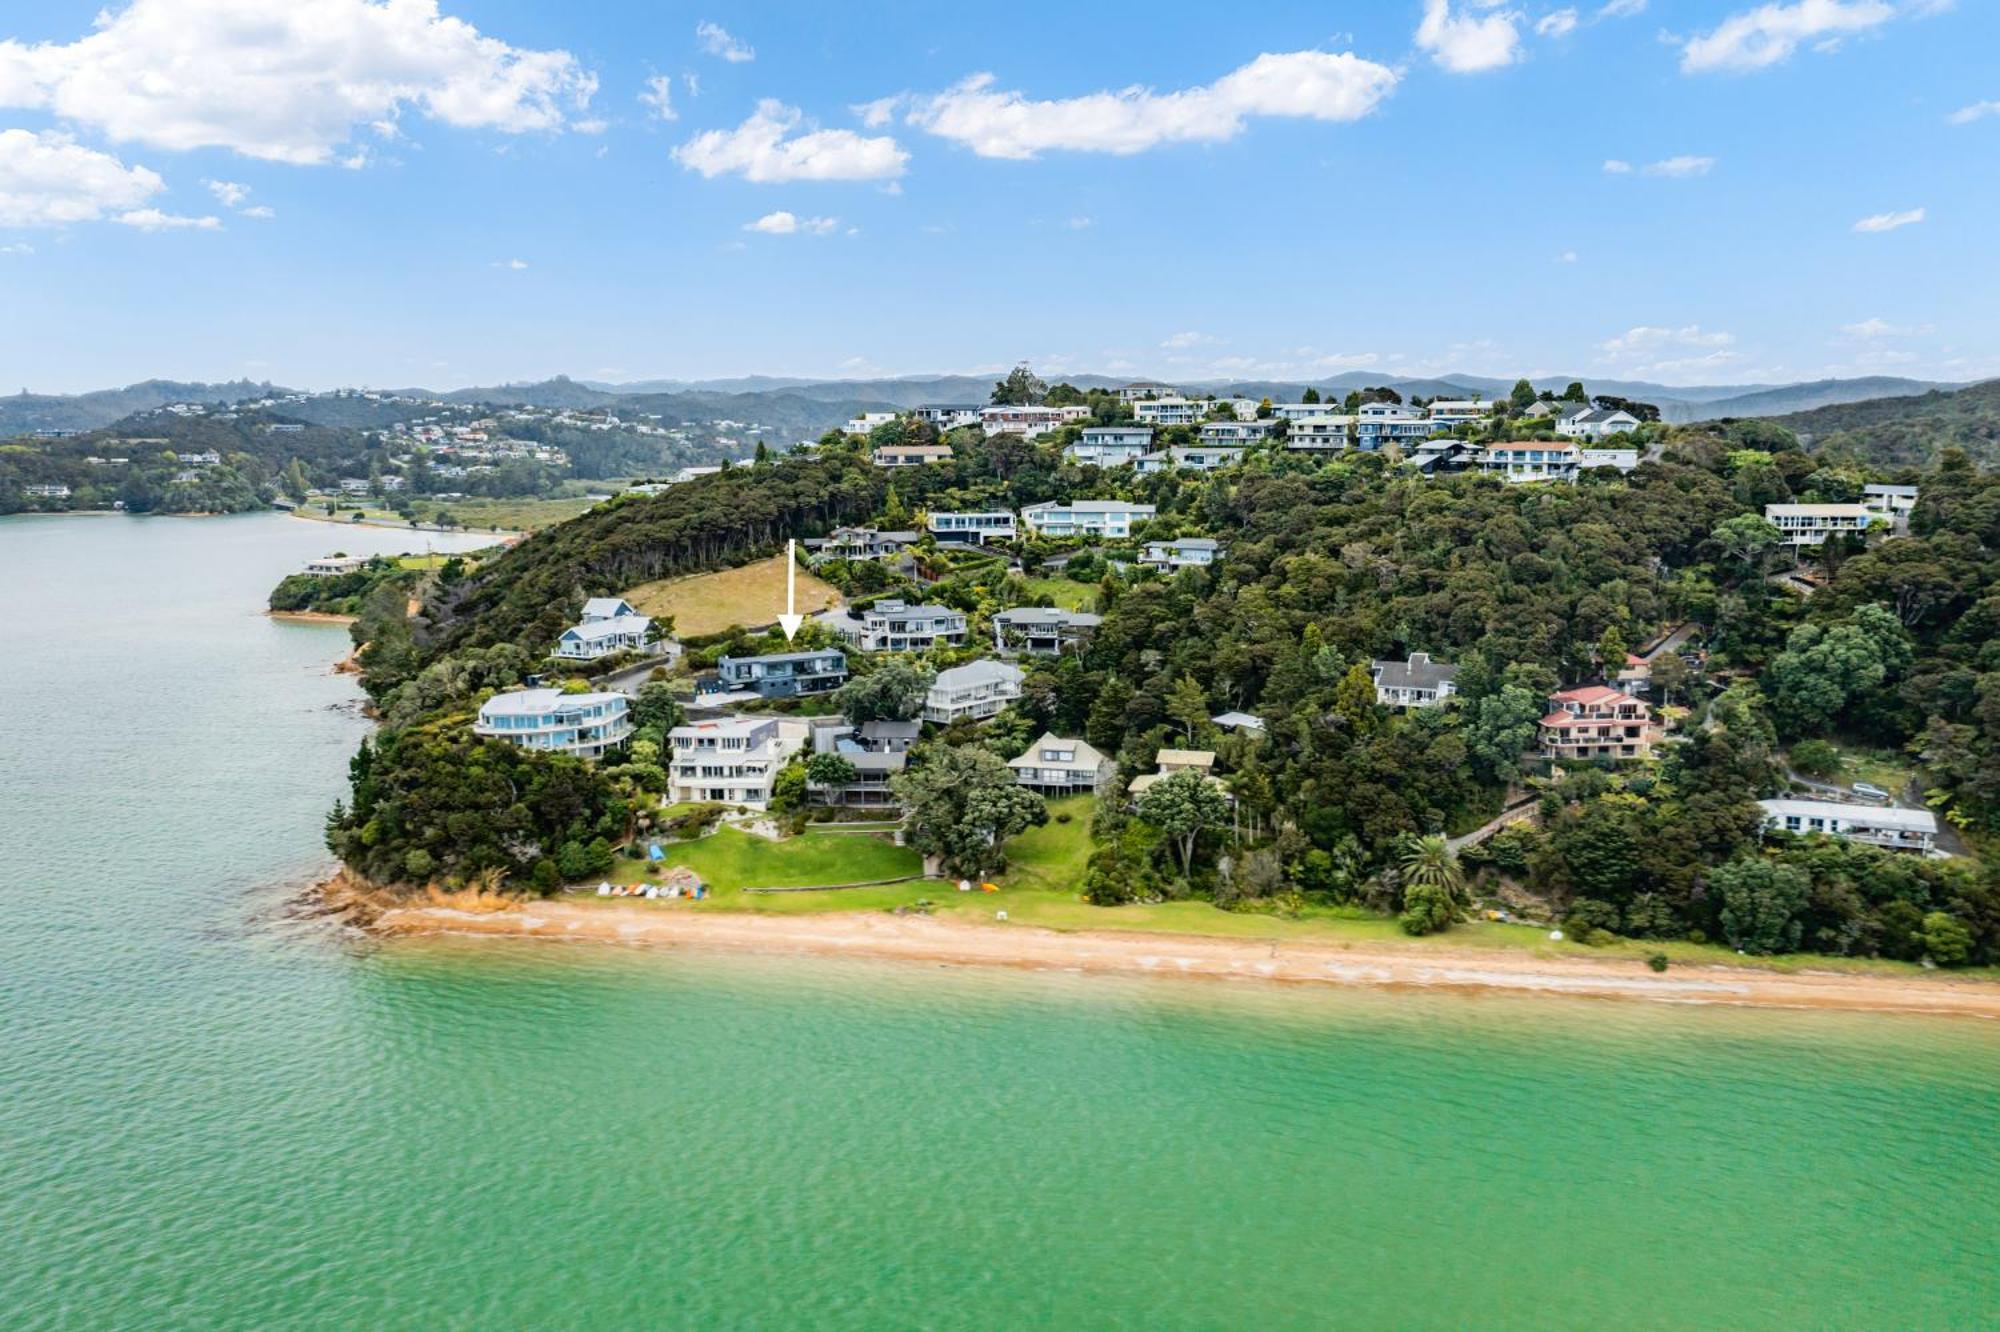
[[764, 148], [512, 265], [1868, 330], [1965, 115], [1622, 9], [1769, 34], [152, 219], [715, 40], [1465, 43], [1890, 221], [47, 180], [1309, 85], [1559, 23], [1186, 340], [234, 196], [1617, 166], [659, 97], [1674, 167], [782, 223], [285, 81], [1649, 340]]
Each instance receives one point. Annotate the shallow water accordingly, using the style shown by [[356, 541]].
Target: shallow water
[[214, 1114]]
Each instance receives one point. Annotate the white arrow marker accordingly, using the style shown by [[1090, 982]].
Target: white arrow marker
[[791, 619]]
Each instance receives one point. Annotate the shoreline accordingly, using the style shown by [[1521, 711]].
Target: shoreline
[[311, 617], [935, 940], [503, 535]]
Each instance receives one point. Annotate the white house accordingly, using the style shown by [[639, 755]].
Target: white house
[[732, 760], [911, 455], [1299, 411], [1889, 501], [1532, 460], [1812, 524], [1416, 683], [1147, 388], [867, 421], [1381, 424], [1328, 431], [1110, 446], [976, 690], [894, 626], [585, 725], [947, 416], [1586, 422], [1623, 459], [972, 528], [1101, 518], [1029, 422], [333, 566], [1202, 459], [1042, 631], [592, 639], [1182, 553], [1175, 411], [1216, 434], [1891, 829], [1448, 412], [1054, 765]]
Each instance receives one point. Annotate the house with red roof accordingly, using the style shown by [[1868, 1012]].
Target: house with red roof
[[1596, 723]]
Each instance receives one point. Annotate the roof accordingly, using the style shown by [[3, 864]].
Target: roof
[[1598, 415], [534, 702], [1086, 755], [1907, 491], [603, 608], [1089, 506], [923, 612], [721, 726], [1031, 615], [1531, 445], [793, 656], [1187, 758], [884, 729], [1818, 510], [1419, 672], [1145, 430], [616, 627], [1589, 694], [974, 673], [1872, 816], [1238, 721], [1190, 543]]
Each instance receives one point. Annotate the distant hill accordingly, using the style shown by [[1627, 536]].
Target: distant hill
[[25, 412], [1805, 397], [1908, 430]]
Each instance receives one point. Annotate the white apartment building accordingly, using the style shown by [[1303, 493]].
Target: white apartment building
[[976, 690], [1099, 518], [1333, 431], [1812, 524], [733, 760]]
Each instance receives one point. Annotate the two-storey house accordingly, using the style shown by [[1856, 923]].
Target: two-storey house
[[976, 690], [732, 760], [1416, 683], [1054, 765], [1181, 553], [1098, 518], [895, 626], [1042, 631], [971, 529], [585, 725], [1812, 524], [1596, 722], [783, 674], [1110, 446]]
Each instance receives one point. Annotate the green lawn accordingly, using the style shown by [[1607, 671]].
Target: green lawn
[[1889, 769], [1051, 858], [1066, 593], [731, 859]]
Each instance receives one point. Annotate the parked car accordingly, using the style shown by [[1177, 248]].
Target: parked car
[[1871, 791]]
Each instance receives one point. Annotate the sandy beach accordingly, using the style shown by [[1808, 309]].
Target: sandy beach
[[939, 940]]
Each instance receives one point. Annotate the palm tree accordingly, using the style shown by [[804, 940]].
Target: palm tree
[[1429, 863]]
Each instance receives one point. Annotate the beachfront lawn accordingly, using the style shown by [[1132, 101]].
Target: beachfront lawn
[[732, 859], [749, 595], [1051, 858]]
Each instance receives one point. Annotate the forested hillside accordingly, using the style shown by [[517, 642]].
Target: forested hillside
[[1907, 431]]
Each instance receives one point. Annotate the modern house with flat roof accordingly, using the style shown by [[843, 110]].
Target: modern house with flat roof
[[1380, 424], [1099, 518], [1416, 683], [1889, 501], [1042, 631], [976, 690], [1110, 446], [333, 566], [894, 626], [1182, 553], [1054, 765], [1871, 825], [732, 760], [1812, 524], [1449, 412], [1238, 434], [972, 528], [1170, 411], [1596, 722], [1205, 458], [1029, 422], [1327, 431], [585, 725], [1532, 460], [875, 765], [783, 674], [911, 455], [947, 416]]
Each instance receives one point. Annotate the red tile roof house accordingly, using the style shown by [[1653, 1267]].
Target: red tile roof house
[[1597, 723]]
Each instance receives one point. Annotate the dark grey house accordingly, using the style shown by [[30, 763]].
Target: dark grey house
[[781, 674]]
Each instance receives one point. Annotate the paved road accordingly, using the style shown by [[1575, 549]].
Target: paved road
[[628, 679]]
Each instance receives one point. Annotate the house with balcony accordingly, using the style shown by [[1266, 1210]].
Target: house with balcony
[[1029, 422], [583, 725], [1086, 518], [1321, 432], [781, 674], [1171, 411], [1042, 631], [1236, 434], [731, 760], [1445, 413], [1140, 389], [1054, 765], [1889, 501], [1871, 825], [911, 455], [1416, 683], [971, 529], [609, 625], [1202, 459], [1380, 424], [1623, 460], [867, 421], [1600, 724], [974, 691], [333, 566], [875, 764], [1181, 553], [1812, 524], [947, 416], [1172, 761], [1110, 446], [1298, 411], [1531, 460], [858, 543], [895, 626]]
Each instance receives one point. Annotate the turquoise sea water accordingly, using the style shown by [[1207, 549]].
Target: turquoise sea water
[[216, 1114]]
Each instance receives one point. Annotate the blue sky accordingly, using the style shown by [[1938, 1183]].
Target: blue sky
[[394, 192]]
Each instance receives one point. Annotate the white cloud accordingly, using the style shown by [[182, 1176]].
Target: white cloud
[[513, 265], [782, 223], [876, 114], [1769, 34], [227, 192], [1622, 9], [1871, 329], [659, 97], [1184, 341], [1312, 85], [1676, 167], [17, 247], [693, 81], [1890, 221], [1465, 44], [1650, 340], [1079, 223], [47, 180], [759, 150], [1559, 23], [286, 81], [152, 219], [715, 40], [261, 212], [1965, 115], [1566, 257], [1616, 166]]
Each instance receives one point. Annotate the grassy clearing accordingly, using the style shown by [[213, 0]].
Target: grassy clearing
[[1066, 593], [474, 515], [1051, 858], [752, 594], [732, 859], [1889, 769]]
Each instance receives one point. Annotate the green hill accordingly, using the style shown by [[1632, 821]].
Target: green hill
[[1906, 430]]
